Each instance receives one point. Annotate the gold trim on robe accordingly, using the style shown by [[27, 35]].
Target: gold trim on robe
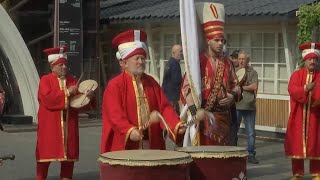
[[135, 86], [60, 159], [305, 121], [64, 117], [128, 135], [301, 157], [175, 131]]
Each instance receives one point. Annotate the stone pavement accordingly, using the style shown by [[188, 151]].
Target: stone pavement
[[273, 164]]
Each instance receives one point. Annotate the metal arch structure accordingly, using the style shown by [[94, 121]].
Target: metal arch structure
[[21, 62]]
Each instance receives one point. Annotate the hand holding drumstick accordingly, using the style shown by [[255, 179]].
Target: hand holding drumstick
[[136, 134], [310, 86], [73, 90]]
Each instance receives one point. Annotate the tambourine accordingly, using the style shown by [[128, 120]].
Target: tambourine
[[241, 75], [81, 99]]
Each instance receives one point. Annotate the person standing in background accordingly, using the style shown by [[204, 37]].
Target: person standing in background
[[246, 108], [172, 77], [233, 141]]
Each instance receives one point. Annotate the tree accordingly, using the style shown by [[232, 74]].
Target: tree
[[309, 21]]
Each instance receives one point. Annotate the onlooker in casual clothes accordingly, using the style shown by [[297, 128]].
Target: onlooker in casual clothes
[[172, 77], [234, 124], [246, 108], [234, 58]]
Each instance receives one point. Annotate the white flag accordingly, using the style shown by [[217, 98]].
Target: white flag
[[191, 45]]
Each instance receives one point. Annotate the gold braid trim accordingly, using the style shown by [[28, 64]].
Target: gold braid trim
[[175, 131], [128, 135], [302, 157], [196, 140], [314, 174], [201, 155], [216, 86], [59, 159], [128, 162]]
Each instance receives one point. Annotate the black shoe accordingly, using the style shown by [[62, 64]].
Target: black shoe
[[253, 160]]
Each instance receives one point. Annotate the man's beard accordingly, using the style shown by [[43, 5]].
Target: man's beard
[[137, 71]]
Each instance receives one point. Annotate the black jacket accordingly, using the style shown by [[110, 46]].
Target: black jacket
[[172, 80]]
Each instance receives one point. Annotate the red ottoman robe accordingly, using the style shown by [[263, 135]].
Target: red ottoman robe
[[302, 136], [56, 140], [120, 117]]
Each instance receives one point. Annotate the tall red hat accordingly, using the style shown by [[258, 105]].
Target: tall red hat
[[211, 16], [130, 43], [56, 55], [310, 50]]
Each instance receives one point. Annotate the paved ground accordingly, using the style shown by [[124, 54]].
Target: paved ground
[[273, 164]]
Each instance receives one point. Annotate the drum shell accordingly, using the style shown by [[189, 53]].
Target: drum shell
[[222, 166], [118, 172], [124, 167]]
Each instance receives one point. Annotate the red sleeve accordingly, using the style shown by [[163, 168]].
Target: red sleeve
[[296, 90], [113, 109], [185, 89], [51, 97]]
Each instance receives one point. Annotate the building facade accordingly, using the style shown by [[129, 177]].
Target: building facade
[[267, 31]]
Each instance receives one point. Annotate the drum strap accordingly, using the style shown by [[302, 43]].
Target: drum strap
[[217, 85]]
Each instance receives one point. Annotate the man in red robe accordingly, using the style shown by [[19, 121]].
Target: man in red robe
[[58, 133], [219, 88], [302, 136], [130, 97]]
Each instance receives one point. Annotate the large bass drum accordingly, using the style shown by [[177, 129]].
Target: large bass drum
[[217, 162], [144, 165]]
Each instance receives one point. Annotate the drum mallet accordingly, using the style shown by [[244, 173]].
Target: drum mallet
[[156, 115], [154, 118]]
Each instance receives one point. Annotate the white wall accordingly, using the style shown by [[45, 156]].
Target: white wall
[[21, 62]]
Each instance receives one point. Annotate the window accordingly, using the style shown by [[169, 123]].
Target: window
[[162, 42], [267, 56]]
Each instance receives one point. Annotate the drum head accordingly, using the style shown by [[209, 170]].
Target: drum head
[[79, 101], [87, 85], [214, 151], [241, 73], [145, 157]]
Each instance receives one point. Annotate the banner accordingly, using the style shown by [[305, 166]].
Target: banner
[[191, 45]]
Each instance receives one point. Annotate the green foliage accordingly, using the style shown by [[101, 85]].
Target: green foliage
[[309, 17]]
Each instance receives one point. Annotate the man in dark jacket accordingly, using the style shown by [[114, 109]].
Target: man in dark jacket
[[172, 77]]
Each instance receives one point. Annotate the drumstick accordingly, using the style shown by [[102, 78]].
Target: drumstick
[[81, 76], [86, 93], [165, 123], [153, 119]]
